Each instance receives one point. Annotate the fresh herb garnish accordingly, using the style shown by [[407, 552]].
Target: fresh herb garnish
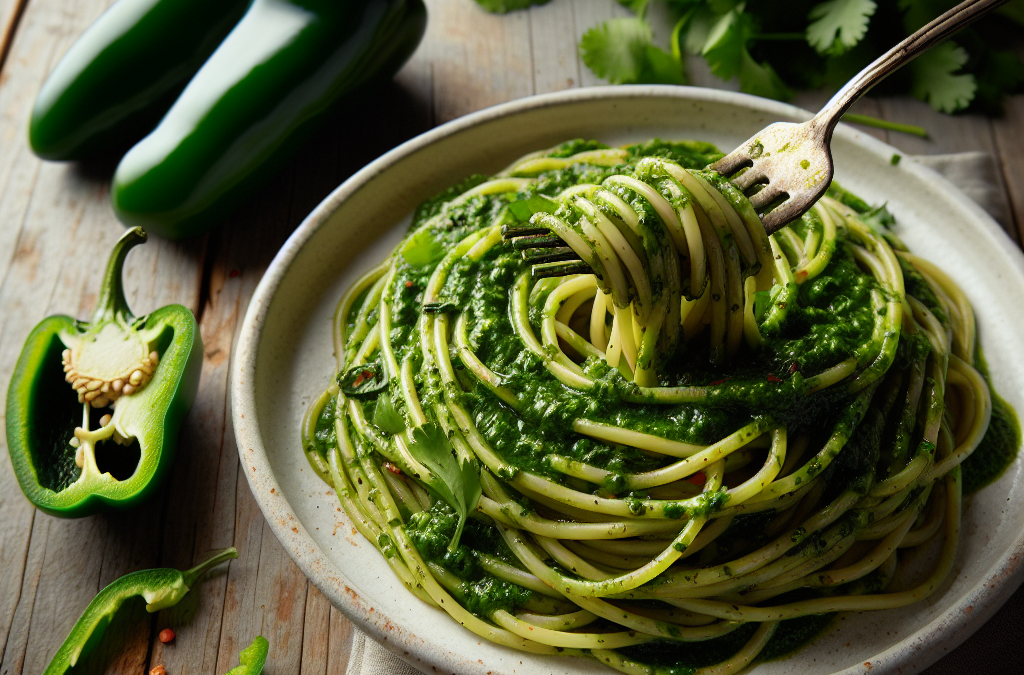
[[386, 417], [457, 483], [771, 48], [622, 52]]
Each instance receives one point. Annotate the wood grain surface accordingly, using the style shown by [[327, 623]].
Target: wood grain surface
[[57, 227]]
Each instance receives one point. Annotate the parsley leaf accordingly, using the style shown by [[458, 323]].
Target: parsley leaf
[[838, 25], [506, 6], [457, 483], [620, 51], [934, 78]]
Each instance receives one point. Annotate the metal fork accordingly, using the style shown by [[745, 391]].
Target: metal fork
[[789, 165], [794, 161]]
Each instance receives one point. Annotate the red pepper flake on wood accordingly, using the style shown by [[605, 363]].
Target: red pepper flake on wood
[[166, 635], [158, 670]]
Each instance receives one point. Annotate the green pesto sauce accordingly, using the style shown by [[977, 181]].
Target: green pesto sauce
[[481, 593], [1000, 445], [831, 320], [685, 658]]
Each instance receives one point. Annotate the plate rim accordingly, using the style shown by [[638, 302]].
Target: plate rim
[[947, 630]]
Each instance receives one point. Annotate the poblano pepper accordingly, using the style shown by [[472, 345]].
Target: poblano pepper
[[161, 588], [118, 79], [94, 408], [264, 91]]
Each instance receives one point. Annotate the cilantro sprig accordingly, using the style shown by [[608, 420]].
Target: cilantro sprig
[[456, 482], [770, 48]]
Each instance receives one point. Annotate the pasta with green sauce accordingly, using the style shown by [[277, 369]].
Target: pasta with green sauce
[[644, 431]]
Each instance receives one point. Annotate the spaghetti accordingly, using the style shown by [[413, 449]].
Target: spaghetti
[[702, 434]]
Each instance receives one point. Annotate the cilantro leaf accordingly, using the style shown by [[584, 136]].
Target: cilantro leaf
[[692, 30], [935, 79], [638, 7], [727, 55], [838, 25], [620, 51], [386, 417], [422, 249], [506, 6], [522, 210], [457, 483], [760, 79], [726, 43]]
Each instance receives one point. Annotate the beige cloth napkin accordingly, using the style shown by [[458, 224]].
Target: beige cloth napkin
[[977, 175]]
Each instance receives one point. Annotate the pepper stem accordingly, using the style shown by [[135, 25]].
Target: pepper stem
[[112, 301], [217, 557]]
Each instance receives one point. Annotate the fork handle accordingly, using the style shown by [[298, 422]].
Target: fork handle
[[931, 34]]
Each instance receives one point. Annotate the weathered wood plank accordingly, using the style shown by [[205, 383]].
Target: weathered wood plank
[[56, 224], [586, 15], [478, 59], [553, 51], [57, 232], [1008, 133]]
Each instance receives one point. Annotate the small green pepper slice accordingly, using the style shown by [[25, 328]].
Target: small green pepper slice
[[161, 588], [94, 408], [252, 659]]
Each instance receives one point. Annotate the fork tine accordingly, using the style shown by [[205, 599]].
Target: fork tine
[[512, 231], [766, 196], [733, 162], [537, 241], [543, 255], [559, 269], [749, 177]]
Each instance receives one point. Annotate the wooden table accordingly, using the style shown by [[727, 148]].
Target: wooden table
[[56, 229]]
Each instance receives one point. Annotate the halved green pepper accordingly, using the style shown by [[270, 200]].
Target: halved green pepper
[[94, 408]]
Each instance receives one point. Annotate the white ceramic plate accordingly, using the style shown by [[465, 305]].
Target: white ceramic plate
[[283, 360]]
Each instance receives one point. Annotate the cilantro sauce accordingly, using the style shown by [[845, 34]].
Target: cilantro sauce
[[486, 423]]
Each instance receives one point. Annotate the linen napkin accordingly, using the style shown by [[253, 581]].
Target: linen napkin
[[977, 175]]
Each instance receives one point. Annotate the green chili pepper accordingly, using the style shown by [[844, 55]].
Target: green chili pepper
[[123, 73], [93, 409], [252, 659], [160, 588], [262, 93]]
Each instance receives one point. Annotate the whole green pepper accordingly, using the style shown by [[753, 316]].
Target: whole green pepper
[[252, 659], [260, 95], [93, 409], [117, 80], [161, 588]]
